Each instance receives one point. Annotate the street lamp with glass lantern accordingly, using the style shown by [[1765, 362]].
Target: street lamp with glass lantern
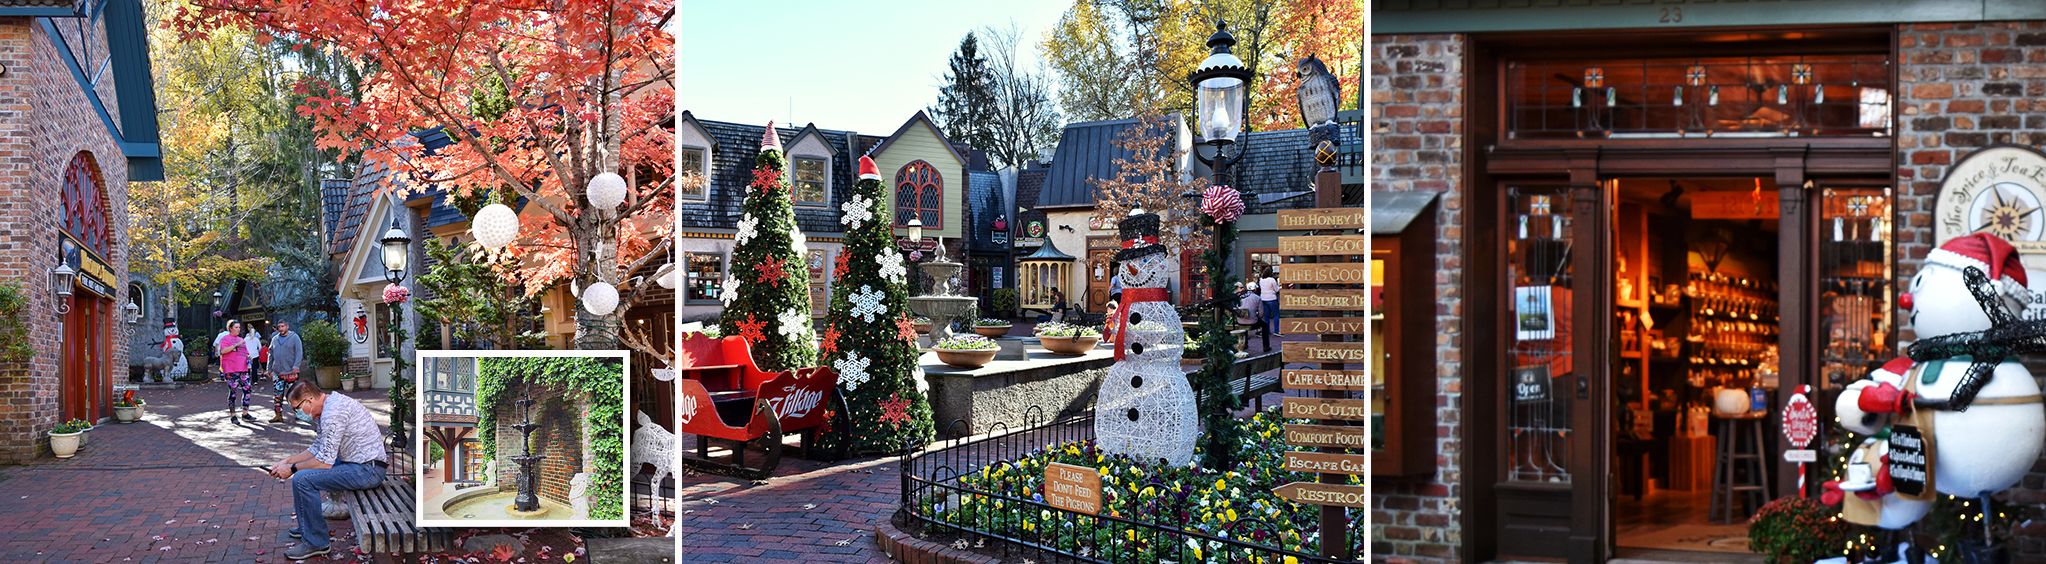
[[1220, 86], [397, 248]]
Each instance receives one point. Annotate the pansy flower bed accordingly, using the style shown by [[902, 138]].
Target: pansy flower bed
[[1184, 505]]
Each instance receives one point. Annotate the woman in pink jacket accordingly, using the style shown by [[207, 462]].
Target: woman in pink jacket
[[234, 367]]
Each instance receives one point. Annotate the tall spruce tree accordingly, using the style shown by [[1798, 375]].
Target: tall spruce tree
[[966, 107], [868, 337], [767, 291]]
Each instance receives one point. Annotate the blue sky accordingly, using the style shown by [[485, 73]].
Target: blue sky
[[863, 66]]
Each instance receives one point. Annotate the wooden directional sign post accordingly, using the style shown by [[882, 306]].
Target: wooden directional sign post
[[1325, 295]]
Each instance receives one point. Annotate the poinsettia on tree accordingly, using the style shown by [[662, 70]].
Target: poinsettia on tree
[[767, 291], [864, 338]]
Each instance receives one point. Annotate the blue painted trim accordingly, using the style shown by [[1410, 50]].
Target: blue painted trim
[[39, 12]]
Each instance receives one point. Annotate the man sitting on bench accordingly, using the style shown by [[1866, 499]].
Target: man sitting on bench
[[348, 454]]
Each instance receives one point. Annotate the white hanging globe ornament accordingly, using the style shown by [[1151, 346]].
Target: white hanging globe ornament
[[600, 299], [665, 276], [495, 226], [607, 192]]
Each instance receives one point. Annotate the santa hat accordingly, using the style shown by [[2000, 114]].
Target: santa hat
[[1993, 255], [867, 169], [771, 139]]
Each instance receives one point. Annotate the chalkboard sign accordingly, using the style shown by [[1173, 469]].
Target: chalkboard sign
[[1910, 462], [1531, 384]]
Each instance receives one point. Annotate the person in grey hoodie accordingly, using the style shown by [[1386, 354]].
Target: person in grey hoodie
[[287, 360]]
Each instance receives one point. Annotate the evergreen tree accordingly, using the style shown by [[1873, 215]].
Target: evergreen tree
[[966, 107], [767, 291], [868, 337]]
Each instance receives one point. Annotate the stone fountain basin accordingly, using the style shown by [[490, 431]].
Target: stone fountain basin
[[936, 307], [487, 503]]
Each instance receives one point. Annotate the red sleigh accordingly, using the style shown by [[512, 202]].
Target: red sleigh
[[726, 396]]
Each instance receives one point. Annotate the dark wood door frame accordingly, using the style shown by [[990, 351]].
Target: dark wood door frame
[[1794, 165]]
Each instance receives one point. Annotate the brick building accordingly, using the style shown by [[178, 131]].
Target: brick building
[[1742, 190], [78, 109]]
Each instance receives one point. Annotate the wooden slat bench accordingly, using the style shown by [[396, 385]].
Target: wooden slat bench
[[384, 523]]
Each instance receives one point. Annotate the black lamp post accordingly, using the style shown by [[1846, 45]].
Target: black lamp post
[[1219, 92]]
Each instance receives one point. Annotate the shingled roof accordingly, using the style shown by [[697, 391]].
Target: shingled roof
[[1029, 183], [731, 169], [373, 178], [1277, 162], [1086, 151]]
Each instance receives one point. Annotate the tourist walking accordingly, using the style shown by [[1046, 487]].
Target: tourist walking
[[259, 352], [1250, 314], [347, 454], [234, 368], [1268, 291], [287, 361]]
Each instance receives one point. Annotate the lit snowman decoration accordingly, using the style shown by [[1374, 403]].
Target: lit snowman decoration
[[1145, 407], [1986, 414], [1867, 471]]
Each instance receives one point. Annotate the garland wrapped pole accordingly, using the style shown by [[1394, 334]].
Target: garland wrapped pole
[[1221, 205]]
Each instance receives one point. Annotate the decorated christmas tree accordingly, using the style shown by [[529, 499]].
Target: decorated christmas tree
[[767, 291], [868, 337]]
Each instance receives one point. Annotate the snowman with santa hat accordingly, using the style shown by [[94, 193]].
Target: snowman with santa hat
[[1962, 386]]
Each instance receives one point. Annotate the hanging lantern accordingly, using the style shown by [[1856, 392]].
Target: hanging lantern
[[665, 276], [606, 191], [600, 299], [495, 226]]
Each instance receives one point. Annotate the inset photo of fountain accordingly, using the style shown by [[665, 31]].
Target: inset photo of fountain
[[523, 438]]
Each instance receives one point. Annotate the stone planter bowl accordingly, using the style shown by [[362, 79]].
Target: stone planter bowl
[[992, 331], [65, 445], [1072, 346], [923, 327], [966, 359], [128, 414]]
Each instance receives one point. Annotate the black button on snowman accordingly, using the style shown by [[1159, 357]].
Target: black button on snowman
[[1153, 403]]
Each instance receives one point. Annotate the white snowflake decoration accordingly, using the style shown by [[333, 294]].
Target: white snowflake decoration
[[858, 211], [891, 266], [798, 242], [748, 229], [730, 293], [867, 303], [793, 325], [852, 370]]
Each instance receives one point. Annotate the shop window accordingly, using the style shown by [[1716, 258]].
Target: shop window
[[696, 160], [705, 277], [811, 180], [1538, 253], [919, 193], [1856, 301], [1845, 95]]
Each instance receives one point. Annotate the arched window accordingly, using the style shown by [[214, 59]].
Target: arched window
[[85, 205], [140, 297], [919, 188]]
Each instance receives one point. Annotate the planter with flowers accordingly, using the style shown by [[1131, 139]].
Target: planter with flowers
[[967, 351], [921, 324], [1797, 529], [67, 437], [351, 381], [128, 409], [1067, 339], [991, 328]]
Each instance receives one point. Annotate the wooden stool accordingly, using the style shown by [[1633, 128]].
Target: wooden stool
[[1741, 470]]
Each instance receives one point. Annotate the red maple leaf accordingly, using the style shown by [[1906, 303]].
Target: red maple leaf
[[842, 268], [905, 328], [831, 339], [895, 411], [772, 271], [766, 179], [750, 330]]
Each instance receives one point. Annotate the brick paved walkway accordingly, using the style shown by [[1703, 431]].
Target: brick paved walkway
[[184, 484]]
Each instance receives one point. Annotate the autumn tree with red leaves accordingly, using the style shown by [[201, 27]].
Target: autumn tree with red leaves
[[538, 96]]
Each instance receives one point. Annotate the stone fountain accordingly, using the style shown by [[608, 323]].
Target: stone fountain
[[942, 304], [527, 504]]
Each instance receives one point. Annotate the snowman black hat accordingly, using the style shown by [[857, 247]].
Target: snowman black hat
[[1994, 256], [1139, 235]]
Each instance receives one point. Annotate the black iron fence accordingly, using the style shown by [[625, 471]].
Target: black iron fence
[[937, 492]]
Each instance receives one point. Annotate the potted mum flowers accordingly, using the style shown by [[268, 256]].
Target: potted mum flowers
[[128, 409], [1067, 339], [967, 351], [66, 437]]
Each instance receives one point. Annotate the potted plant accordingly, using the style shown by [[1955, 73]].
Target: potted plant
[[922, 324], [128, 409], [1191, 349], [327, 350], [1796, 529], [991, 328], [967, 351], [1067, 338], [352, 380], [67, 437]]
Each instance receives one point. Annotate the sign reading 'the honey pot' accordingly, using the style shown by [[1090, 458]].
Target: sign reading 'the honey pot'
[[1326, 281]]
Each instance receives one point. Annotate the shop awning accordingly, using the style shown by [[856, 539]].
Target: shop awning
[[1391, 212], [1046, 252]]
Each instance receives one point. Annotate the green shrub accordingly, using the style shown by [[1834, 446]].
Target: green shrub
[[324, 345], [1004, 302], [1797, 529], [13, 325]]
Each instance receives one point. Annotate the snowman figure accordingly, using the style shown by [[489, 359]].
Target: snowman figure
[[1875, 499], [173, 354], [1145, 407], [1986, 415]]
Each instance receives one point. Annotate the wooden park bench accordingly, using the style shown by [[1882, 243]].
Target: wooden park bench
[[384, 522]]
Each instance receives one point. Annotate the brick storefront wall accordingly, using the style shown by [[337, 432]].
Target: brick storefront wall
[[1417, 88], [46, 120], [559, 438], [1962, 87]]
